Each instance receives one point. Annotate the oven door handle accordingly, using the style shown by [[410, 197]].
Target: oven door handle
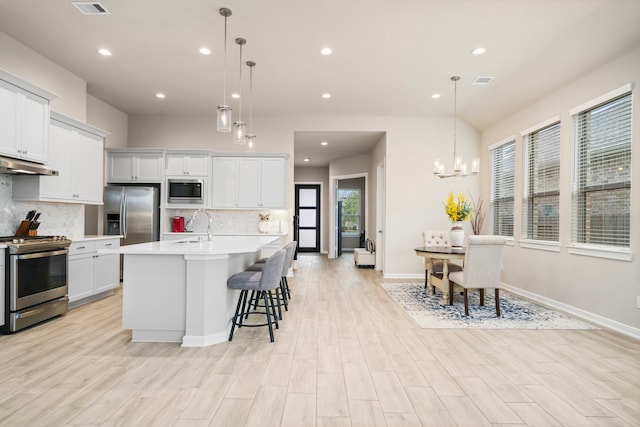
[[42, 254]]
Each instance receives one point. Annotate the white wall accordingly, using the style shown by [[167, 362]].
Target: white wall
[[605, 287]]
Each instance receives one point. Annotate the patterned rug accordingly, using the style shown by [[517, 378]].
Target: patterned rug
[[517, 313]]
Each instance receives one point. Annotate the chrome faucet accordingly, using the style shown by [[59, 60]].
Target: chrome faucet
[[209, 222]]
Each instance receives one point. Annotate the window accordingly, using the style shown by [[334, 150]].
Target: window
[[350, 199], [541, 202], [601, 198], [502, 188]]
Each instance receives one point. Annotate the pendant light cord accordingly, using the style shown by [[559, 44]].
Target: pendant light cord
[[455, 115], [224, 77], [250, 96], [240, 91]]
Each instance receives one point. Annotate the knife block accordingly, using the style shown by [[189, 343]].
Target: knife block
[[23, 228]]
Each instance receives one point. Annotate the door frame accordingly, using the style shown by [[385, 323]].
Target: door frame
[[380, 215], [322, 219], [333, 202]]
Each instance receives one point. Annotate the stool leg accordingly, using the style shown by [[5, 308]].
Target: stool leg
[[286, 285], [244, 310], [283, 291], [481, 297], [273, 309], [266, 305], [278, 299], [253, 298], [498, 301], [233, 323]]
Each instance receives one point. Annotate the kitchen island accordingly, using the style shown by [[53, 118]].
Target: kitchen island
[[176, 291]]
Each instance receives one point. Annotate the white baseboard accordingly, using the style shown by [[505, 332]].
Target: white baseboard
[[577, 312], [403, 276]]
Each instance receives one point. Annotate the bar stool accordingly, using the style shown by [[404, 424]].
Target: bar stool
[[283, 294], [263, 282]]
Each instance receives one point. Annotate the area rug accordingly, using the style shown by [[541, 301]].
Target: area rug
[[517, 313]]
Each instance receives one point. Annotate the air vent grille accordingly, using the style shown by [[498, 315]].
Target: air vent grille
[[482, 81], [90, 8]]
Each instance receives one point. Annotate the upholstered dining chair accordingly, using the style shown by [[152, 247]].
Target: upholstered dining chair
[[482, 267], [437, 238]]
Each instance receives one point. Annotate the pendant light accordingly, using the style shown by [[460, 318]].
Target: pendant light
[[459, 168], [240, 127], [250, 137], [224, 111]]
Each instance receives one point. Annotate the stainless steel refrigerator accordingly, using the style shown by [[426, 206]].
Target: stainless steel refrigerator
[[133, 212]]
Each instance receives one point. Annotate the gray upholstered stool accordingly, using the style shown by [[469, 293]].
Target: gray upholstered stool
[[263, 282], [283, 294]]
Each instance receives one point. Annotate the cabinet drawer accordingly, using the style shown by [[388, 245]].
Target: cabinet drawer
[[107, 244], [78, 248]]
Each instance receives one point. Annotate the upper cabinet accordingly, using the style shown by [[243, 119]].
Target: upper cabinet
[[248, 182], [187, 164], [135, 166], [76, 152], [24, 119]]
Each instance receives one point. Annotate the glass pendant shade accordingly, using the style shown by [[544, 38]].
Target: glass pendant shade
[[239, 132], [224, 118], [251, 143]]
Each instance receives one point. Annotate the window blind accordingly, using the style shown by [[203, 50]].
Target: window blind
[[601, 197], [541, 201], [502, 188]]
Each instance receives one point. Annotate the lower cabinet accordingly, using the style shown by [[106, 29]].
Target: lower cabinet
[[91, 272]]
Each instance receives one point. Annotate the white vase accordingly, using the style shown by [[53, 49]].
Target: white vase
[[456, 234]]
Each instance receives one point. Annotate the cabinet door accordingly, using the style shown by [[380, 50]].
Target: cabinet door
[[175, 165], [225, 182], [8, 119], [81, 277], [249, 183], [107, 272], [272, 183], [150, 167], [120, 167], [87, 171], [34, 128], [196, 165], [59, 187]]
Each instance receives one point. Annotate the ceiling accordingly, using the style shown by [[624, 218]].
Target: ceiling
[[389, 56]]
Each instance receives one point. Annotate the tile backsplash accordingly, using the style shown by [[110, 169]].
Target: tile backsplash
[[233, 221], [56, 218]]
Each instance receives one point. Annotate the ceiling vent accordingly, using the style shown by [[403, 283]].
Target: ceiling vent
[[480, 81], [90, 8]]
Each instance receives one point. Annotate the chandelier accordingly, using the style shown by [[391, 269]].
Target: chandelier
[[459, 168]]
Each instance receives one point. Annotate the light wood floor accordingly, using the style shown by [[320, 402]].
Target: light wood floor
[[345, 355]]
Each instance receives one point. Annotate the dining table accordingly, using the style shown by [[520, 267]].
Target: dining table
[[435, 279]]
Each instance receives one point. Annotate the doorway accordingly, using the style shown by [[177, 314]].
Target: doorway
[[307, 217]]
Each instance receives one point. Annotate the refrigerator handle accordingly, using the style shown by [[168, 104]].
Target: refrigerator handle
[[123, 214]]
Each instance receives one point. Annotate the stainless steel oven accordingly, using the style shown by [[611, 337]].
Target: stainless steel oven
[[36, 280]]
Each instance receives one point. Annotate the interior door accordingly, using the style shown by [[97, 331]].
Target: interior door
[[308, 214]]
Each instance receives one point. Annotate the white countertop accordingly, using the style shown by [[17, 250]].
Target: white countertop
[[89, 237], [220, 245], [187, 234]]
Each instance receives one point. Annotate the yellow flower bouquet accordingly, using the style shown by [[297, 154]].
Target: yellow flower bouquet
[[457, 208]]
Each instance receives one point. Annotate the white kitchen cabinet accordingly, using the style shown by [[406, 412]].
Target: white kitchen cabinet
[[90, 272], [128, 166], [248, 182], [24, 119], [187, 164], [77, 154]]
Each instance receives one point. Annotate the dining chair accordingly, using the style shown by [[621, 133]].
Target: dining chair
[[437, 238], [482, 267]]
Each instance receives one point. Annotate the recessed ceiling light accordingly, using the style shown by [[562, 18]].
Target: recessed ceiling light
[[205, 51], [478, 50], [326, 51], [326, 95], [306, 159], [324, 143], [435, 96], [160, 95], [104, 52], [235, 95]]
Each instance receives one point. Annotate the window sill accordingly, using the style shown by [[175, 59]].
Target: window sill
[[610, 252], [543, 245]]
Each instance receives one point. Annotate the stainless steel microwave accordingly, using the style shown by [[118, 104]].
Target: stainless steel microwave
[[185, 191]]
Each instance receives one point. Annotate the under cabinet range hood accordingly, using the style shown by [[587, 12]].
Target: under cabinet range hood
[[22, 167]]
